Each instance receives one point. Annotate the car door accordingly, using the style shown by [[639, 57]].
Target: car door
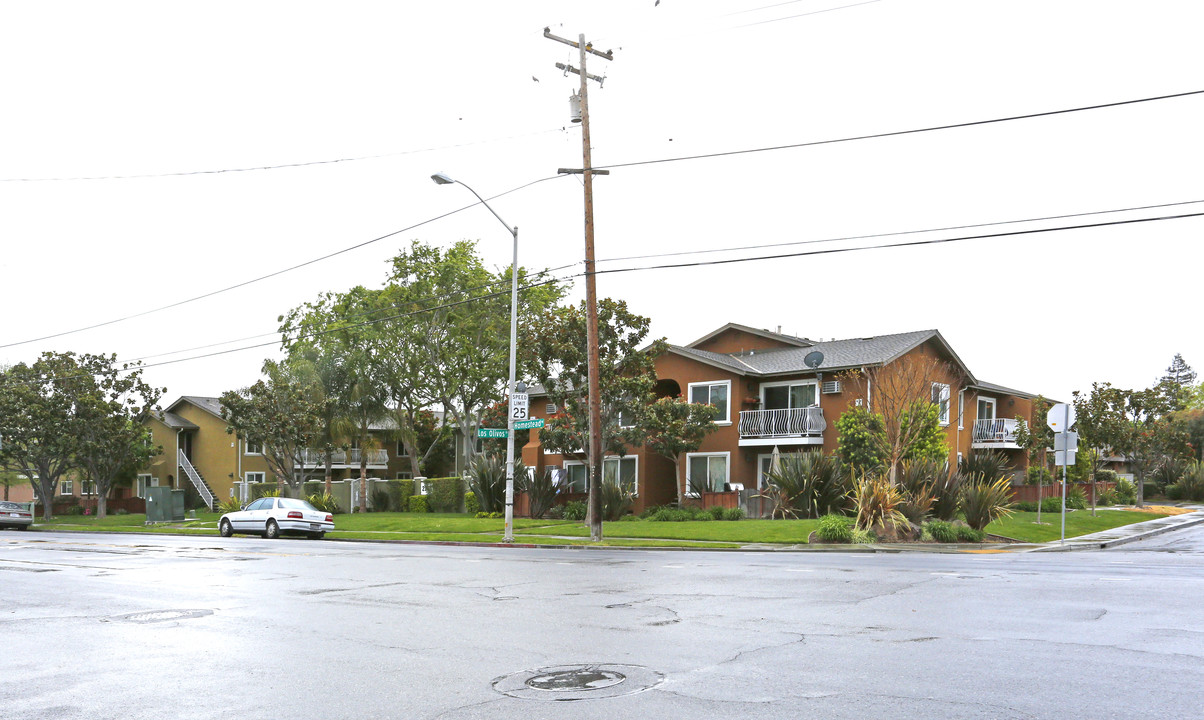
[[244, 519]]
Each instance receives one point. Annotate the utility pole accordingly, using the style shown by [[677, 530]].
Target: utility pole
[[591, 291]]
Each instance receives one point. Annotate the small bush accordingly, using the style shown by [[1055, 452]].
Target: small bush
[[1106, 497], [1037, 475], [1076, 499], [1108, 476], [229, 505], [983, 502], [472, 506], [616, 502], [418, 504], [1126, 491], [575, 511], [736, 513], [941, 531], [380, 500], [835, 529], [628, 518], [1052, 504], [325, 502], [1026, 506], [121, 511], [967, 534], [863, 537], [556, 512], [716, 512], [75, 510], [445, 494]]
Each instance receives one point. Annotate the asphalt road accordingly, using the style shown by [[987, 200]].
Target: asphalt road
[[112, 626]]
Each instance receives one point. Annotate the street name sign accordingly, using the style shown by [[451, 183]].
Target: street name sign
[[528, 424], [493, 433]]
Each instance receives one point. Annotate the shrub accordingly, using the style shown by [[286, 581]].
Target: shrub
[[807, 485], [541, 492], [946, 491], [968, 534], [556, 512], [229, 505], [1076, 499], [1106, 497], [1052, 504], [1025, 506], [1037, 475], [444, 494], [121, 511], [983, 502], [985, 466], [835, 529], [716, 512], [487, 479], [877, 501], [628, 518], [472, 506], [1108, 476], [917, 478], [575, 511], [736, 513], [325, 502], [380, 499], [418, 504], [616, 502], [941, 531], [1190, 485], [75, 510], [864, 537], [399, 494], [1169, 472]]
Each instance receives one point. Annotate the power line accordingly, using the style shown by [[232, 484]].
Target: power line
[[897, 233], [896, 133], [914, 243], [281, 166], [269, 275], [799, 15]]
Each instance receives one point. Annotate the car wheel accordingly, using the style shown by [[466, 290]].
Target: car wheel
[[272, 530], [22, 527], [226, 528]]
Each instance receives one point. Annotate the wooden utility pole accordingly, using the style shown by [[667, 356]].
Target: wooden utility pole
[[591, 292]]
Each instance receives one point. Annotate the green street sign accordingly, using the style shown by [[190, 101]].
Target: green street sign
[[528, 424], [492, 433]]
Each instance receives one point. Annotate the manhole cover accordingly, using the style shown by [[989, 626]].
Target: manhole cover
[[578, 682], [157, 616]]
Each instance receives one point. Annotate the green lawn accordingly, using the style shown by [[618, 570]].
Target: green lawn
[[434, 527], [1023, 525]]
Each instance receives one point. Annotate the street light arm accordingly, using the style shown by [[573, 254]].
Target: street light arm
[[513, 230]]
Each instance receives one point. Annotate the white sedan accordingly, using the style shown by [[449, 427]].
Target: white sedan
[[271, 516]]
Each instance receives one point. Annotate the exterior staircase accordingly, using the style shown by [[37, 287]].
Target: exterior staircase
[[198, 482]]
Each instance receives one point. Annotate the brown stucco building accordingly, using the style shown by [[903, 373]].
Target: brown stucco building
[[785, 392]]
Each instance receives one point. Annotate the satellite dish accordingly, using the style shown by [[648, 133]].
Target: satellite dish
[[814, 359]]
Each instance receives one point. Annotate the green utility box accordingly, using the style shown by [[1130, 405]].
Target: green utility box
[[164, 505]]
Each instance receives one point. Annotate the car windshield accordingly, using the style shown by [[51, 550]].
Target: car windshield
[[294, 504]]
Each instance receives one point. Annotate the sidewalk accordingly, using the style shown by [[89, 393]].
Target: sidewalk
[[1125, 534]]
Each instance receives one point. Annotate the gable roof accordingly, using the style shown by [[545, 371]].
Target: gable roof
[[992, 387], [837, 354], [173, 421], [211, 405], [779, 337]]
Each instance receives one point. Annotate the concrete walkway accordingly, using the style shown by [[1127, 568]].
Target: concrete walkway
[[1126, 534]]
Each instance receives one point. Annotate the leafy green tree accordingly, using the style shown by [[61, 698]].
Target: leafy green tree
[[51, 413], [1179, 373], [674, 426], [859, 440], [113, 436], [1035, 440], [1100, 423], [281, 415], [1150, 436], [930, 441]]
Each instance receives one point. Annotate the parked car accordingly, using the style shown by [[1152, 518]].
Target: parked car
[[271, 516], [14, 515]]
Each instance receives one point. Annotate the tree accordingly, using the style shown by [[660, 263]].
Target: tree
[[281, 415], [114, 438], [1100, 424], [1179, 373], [860, 437], [900, 392], [626, 378], [1035, 440], [675, 426], [1150, 436]]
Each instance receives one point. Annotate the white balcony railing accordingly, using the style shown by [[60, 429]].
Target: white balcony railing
[[784, 423], [343, 458], [998, 430]]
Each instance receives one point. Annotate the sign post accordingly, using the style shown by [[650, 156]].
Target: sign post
[[1059, 418]]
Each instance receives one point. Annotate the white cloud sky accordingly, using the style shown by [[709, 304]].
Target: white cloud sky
[[126, 89]]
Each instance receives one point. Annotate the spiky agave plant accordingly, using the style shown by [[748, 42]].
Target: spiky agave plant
[[809, 485], [984, 502]]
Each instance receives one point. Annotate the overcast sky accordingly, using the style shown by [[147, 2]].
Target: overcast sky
[[152, 96]]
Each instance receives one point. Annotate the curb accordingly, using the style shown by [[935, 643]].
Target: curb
[[1077, 544]]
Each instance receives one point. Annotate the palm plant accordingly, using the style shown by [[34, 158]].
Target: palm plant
[[616, 501], [541, 492], [985, 466], [488, 481], [946, 491], [983, 502], [917, 479], [809, 485], [877, 500]]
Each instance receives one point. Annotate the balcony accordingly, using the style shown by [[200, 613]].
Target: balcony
[[343, 458], [996, 433], [787, 426]]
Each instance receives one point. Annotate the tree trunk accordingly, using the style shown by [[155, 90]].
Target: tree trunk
[[329, 472], [1092, 491], [102, 504], [679, 481]]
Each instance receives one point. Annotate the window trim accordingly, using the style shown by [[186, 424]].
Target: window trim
[[726, 455], [246, 448], [993, 402], [405, 475], [947, 397], [620, 458], [262, 475], [67, 487], [961, 409], [727, 420]]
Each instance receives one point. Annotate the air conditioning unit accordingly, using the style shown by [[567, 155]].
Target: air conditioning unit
[[831, 387]]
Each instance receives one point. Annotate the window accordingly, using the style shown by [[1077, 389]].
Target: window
[[986, 408], [550, 409], [626, 419], [254, 447], [961, 408], [621, 471], [713, 393], [707, 471], [577, 477], [784, 396], [66, 487], [401, 450], [940, 398], [146, 480], [405, 475], [87, 487], [256, 477]]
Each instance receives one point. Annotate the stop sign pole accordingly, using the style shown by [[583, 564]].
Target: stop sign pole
[[1059, 418]]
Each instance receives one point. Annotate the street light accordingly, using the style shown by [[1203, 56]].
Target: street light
[[508, 537]]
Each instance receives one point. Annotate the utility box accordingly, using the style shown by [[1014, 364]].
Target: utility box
[[164, 505]]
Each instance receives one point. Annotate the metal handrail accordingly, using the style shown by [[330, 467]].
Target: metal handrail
[[196, 479], [784, 422], [995, 430]]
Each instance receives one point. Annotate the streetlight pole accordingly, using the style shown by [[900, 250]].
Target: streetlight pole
[[508, 536]]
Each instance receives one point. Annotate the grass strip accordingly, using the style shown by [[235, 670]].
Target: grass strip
[[1023, 525]]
